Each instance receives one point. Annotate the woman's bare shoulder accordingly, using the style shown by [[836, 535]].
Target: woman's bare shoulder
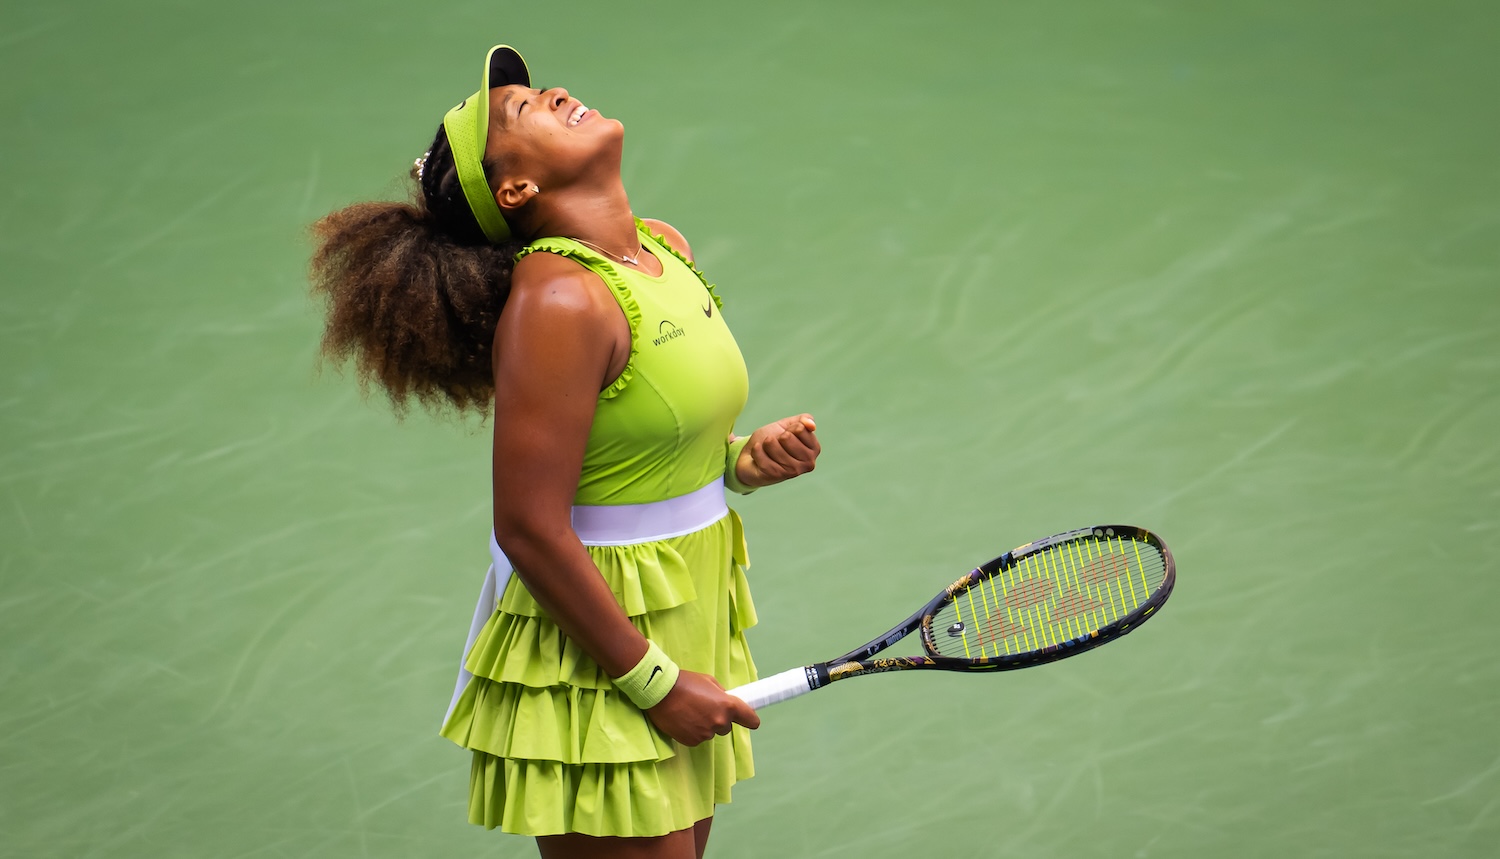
[[673, 236], [553, 285]]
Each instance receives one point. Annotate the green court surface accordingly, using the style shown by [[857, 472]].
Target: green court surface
[[1230, 271]]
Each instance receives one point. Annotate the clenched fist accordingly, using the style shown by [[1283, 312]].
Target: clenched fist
[[779, 451]]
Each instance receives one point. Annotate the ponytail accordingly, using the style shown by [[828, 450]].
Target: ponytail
[[411, 296]]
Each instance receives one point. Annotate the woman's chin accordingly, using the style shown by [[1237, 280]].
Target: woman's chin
[[611, 126]]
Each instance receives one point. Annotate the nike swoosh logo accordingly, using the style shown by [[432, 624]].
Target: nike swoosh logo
[[709, 311], [654, 671]]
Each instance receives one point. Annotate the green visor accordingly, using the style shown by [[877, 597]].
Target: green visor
[[468, 128]]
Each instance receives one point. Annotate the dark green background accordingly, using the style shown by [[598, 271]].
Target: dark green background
[[1227, 270]]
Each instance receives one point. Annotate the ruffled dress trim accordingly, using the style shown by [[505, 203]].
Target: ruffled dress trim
[[606, 269], [558, 748], [662, 243]]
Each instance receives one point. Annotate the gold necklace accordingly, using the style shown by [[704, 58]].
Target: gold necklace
[[625, 258]]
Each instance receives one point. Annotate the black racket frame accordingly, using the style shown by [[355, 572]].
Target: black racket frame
[[863, 660]]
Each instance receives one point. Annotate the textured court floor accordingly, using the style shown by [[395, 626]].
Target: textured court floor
[[1229, 271]]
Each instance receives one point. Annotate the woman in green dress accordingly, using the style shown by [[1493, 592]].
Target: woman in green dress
[[592, 691]]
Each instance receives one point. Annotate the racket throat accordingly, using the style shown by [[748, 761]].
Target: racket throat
[[817, 676]]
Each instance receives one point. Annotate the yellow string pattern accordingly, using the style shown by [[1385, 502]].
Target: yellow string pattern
[[1070, 590]]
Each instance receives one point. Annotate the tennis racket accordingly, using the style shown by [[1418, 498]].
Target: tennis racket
[[1045, 601]]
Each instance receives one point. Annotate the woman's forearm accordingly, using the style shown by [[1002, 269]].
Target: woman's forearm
[[562, 578]]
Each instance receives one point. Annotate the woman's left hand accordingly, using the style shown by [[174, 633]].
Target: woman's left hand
[[779, 451]]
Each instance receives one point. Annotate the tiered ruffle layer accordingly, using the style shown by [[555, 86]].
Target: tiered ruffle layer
[[558, 749]]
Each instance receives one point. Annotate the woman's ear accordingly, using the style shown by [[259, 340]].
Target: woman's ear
[[515, 193]]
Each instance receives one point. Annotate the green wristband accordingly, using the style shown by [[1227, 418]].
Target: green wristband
[[651, 678], [731, 458]]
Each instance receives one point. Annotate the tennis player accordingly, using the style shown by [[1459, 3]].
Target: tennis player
[[592, 690]]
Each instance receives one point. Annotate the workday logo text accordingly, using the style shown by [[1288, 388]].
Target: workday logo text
[[668, 331]]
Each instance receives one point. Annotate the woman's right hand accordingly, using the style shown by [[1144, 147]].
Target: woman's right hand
[[698, 709]]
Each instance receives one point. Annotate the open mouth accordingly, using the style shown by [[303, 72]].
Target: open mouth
[[578, 115]]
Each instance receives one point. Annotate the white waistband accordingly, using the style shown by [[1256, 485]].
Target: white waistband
[[624, 524]]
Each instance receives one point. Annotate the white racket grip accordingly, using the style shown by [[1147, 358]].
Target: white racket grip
[[774, 689]]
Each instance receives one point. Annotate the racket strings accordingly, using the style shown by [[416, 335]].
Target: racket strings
[[1065, 592]]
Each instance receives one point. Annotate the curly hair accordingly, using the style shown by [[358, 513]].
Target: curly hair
[[413, 292]]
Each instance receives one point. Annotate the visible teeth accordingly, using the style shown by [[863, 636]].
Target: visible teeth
[[577, 115]]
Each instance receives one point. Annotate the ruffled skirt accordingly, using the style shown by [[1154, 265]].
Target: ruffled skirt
[[557, 748]]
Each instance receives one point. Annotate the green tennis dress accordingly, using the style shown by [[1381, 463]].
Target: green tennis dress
[[556, 748]]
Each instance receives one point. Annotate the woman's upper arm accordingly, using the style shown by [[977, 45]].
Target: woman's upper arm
[[670, 233], [552, 351]]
